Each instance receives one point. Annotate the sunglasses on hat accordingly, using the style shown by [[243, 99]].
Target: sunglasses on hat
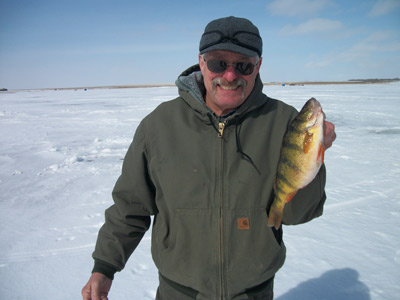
[[220, 66]]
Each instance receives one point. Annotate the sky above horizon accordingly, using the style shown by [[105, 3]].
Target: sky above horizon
[[59, 43]]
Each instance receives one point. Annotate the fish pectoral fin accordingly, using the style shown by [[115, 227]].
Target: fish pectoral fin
[[307, 142]]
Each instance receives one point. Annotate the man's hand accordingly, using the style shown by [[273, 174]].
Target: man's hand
[[97, 287], [329, 134]]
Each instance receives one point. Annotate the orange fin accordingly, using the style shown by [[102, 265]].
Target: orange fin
[[307, 142], [321, 153], [291, 196]]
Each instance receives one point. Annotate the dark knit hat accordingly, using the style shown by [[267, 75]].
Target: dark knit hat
[[233, 34]]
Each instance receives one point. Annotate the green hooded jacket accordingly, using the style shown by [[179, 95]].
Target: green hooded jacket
[[208, 182]]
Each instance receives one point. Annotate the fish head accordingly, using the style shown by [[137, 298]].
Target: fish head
[[311, 115]]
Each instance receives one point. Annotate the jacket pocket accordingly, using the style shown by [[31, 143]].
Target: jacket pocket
[[187, 250], [162, 235], [254, 253]]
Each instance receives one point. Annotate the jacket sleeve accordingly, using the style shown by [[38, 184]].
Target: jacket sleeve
[[127, 220], [308, 203]]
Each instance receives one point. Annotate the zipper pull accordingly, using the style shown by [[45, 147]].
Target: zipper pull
[[221, 127]]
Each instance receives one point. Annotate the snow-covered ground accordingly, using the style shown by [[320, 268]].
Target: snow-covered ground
[[61, 153]]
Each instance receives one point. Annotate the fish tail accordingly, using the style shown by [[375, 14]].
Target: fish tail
[[275, 218]]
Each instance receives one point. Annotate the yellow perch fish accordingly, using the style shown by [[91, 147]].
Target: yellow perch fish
[[301, 157]]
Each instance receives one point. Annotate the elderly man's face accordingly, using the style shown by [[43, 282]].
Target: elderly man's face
[[229, 89]]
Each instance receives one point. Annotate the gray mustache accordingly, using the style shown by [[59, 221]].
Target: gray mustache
[[228, 84]]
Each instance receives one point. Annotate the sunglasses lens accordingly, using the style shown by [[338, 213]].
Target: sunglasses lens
[[244, 68], [216, 66], [219, 66]]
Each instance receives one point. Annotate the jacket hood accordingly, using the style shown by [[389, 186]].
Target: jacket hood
[[192, 90]]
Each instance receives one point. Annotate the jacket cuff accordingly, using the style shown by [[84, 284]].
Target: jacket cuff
[[104, 268]]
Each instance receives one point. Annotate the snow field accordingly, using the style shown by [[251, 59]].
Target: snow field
[[61, 153]]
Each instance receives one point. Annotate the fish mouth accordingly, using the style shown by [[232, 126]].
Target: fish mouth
[[317, 115]]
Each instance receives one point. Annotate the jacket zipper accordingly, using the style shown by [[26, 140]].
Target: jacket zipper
[[221, 127]]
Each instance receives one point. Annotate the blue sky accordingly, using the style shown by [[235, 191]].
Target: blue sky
[[58, 43]]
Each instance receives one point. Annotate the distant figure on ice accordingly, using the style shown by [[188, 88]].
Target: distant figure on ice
[[204, 165]]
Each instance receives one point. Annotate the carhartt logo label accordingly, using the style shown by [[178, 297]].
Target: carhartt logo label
[[243, 223]]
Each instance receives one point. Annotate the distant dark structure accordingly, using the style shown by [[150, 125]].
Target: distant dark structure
[[376, 80]]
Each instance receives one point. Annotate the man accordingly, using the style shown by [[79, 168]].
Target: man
[[203, 165]]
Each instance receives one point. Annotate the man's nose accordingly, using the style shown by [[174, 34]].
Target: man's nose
[[230, 73]]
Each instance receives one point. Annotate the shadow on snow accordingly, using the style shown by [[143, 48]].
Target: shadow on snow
[[337, 284]]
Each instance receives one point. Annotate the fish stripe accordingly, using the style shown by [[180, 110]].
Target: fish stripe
[[294, 129], [292, 146], [288, 162], [282, 179]]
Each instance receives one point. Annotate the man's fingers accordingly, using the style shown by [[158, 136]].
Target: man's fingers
[[329, 134], [86, 292], [95, 290]]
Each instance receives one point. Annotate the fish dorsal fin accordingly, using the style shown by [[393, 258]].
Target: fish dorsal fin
[[308, 139]]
